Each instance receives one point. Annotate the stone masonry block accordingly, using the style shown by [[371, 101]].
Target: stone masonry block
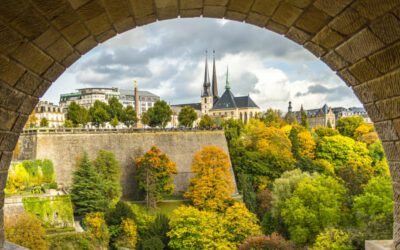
[[396, 196], [190, 4], [32, 57], [142, 8], [286, 14], [66, 18], [240, 5], [257, 19], [348, 22], [364, 70], [328, 38], [297, 35], [334, 61], [386, 131], [387, 59], [397, 12], [394, 170], [387, 28], [364, 93], [125, 24], [146, 20], [317, 50], [46, 38], [373, 112], [10, 98], [86, 45], [5, 160], [190, 12], [360, 45], [106, 35], [9, 141], [60, 49], [7, 119], [77, 3], [233, 15], [30, 23], [166, 9], [391, 151], [41, 89], [10, 71], [2, 196], [396, 124], [265, 7], [54, 72], [28, 83], [9, 10], [372, 8], [50, 9], [71, 59], [278, 28], [98, 24], [389, 108], [3, 181], [216, 2], [312, 19], [300, 3], [20, 123], [332, 7], [117, 9], [347, 77], [386, 86], [9, 39], [214, 11], [90, 10], [75, 32], [28, 105]]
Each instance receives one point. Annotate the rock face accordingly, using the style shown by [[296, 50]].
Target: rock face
[[63, 149]]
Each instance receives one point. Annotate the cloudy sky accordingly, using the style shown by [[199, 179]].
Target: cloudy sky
[[167, 58]]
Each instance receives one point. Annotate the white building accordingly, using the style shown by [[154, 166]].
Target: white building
[[51, 112]]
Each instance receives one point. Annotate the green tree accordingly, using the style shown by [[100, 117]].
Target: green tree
[[315, 204], [109, 170], [77, 114], [44, 122], [146, 118], [187, 116], [88, 189], [98, 113], [206, 122], [114, 108], [304, 120], [154, 173], [195, 229], [332, 239], [348, 125], [293, 136], [159, 114], [355, 175], [68, 124], [272, 118], [322, 132], [249, 196], [129, 116], [114, 122], [233, 128], [329, 124]]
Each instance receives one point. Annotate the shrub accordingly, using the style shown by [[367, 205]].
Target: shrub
[[128, 235], [153, 243], [72, 241], [95, 224], [121, 211], [273, 241], [332, 239], [25, 230], [159, 228]]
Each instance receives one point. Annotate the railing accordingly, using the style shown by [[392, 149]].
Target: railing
[[113, 130]]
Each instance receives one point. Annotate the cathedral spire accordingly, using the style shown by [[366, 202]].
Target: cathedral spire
[[227, 86], [214, 78], [206, 84]]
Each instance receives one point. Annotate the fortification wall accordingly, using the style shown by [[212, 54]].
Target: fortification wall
[[64, 148]]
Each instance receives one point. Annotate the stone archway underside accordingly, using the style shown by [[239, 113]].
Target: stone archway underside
[[358, 39]]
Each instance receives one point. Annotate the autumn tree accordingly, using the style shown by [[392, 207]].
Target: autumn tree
[[273, 241], [333, 239], [128, 235], [206, 122], [154, 173], [322, 131], [96, 225], [363, 130], [348, 125], [32, 120], [187, 116], [315, 204], [25, 230], [211, 187], [355, 175], [159, 114], [307, 145], [272, 118]]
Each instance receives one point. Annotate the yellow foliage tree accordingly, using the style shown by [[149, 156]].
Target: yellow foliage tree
[[128, 237], [32, 120], [240, 223], [25, 230], [96, 225], [363, 129], [307, 144], [211, 187]]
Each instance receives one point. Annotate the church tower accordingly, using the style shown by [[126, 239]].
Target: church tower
[[206, 96]]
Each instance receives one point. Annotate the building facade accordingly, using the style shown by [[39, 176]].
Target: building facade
[[51, 112]]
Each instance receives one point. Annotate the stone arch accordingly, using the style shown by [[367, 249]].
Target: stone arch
[[358, 39]]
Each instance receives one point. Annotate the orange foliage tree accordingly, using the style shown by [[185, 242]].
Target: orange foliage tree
[[211, 187], [155, 175]]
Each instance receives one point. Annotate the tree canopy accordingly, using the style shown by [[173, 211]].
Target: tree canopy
[[158, 115], [187, 116], [348, 125]]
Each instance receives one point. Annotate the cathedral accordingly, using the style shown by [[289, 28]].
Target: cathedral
[[227, 106]]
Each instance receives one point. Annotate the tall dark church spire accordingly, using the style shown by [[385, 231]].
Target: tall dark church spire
[[206, 84], [214, 79]]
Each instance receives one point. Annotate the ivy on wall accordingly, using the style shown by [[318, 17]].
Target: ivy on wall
[[54, 211]]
